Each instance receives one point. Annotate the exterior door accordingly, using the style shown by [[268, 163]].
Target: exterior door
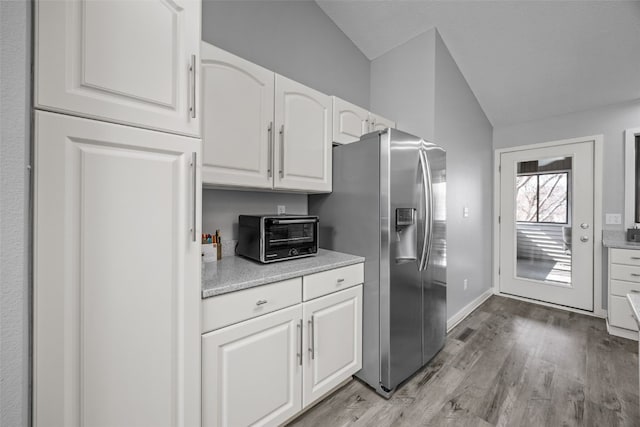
[[350, 122], [380, 123], [333, 341], [130, 62], [303, 131], [237, 120], [546, 224], [252, 371], [116, 275]]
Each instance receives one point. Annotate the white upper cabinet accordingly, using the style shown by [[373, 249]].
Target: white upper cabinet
[[129, 62], [379, 123], [303, 149], [350, 122], [116, 275], [237, 120]]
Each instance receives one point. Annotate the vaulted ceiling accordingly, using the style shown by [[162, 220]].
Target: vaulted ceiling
[[524, 60]]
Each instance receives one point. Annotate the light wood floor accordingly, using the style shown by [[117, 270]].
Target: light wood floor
[[510, 363]]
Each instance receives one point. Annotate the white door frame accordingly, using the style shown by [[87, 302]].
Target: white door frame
[[598, 141]]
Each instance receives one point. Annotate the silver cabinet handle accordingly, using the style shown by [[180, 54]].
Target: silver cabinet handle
[[635, 274], [192, 84], [299, 354], [270, 155], [584, 239], [312, 347], [633, 291], [635, 257], [261, 302], [340, 280], [281, 168], [194, 194], [373, 125]]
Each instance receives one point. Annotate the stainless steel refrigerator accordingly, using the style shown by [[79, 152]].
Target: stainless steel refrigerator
[[389, 205]]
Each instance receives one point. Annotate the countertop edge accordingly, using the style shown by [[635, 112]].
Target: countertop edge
[[207, 293]]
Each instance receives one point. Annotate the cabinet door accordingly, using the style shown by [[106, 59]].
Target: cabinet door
[[380, 123], [237, 120], [333, 339], [350, 122], [252, 373], [116, 276], [303, 149], [130, 62]]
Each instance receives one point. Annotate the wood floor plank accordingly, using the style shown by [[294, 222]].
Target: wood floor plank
[[510, 363]]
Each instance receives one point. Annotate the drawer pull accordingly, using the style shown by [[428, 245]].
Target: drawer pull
[[340, 280], [262, 301], [635, 257], [635, 274], [633, 291]]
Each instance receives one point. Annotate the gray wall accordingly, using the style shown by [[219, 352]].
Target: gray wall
[[462, 127], [402, 85], [222, 207], [610, 121], [15, 56], [293, 38], [420, 86]]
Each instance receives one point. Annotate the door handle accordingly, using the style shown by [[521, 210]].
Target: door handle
[[270, 152], [299, 354], [428, 207], [194, 183], [584, 225], [312, 346], [584, 239], [192, 84]]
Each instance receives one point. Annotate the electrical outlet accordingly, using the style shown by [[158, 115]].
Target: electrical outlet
[[465, 212], [282, 209], [466, 283], [613, 219]]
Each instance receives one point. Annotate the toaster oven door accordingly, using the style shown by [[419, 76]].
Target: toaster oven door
[[289, 238]]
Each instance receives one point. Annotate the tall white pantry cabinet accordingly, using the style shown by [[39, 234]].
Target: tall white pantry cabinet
[[117, 213]]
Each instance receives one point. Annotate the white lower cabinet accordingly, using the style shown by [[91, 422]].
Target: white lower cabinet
[[334, 341], [251, 371], [624, 278], [265, 370]]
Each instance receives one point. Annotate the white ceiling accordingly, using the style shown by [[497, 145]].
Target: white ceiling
[[524, 60]]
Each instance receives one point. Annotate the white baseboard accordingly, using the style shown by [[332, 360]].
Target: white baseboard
[[453, 321], [621, 332]]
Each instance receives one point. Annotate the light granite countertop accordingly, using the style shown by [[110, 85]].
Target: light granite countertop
[[617, 239], [235, 273], [634, 301]]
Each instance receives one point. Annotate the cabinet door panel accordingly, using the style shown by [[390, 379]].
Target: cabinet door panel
[[116, 276], [303, 152], [380, 123], [350, 122], [237, 103], [333, 340], [127, 62], [251, 371]]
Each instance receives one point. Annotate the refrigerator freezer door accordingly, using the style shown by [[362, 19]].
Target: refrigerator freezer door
[[434, 277], [401, 293]]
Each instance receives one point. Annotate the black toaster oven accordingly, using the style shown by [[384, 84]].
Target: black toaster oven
[[269, 238]]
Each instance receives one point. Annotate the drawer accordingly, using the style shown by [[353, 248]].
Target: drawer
[[620, 313], [621, 288], [625, 256], [625, 272], [327, 282], [237, 306]]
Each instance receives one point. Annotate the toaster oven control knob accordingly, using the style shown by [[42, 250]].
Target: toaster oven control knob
[[293, 252]]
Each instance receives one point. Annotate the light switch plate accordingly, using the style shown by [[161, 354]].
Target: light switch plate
[[613, 219]]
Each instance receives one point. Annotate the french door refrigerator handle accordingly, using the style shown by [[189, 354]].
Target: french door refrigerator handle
[[428, 208]]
